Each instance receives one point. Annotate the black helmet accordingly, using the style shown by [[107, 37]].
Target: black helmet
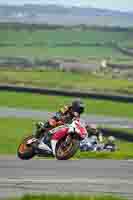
[[78, 106]]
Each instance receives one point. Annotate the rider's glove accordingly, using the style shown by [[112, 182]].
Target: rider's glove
[[71, 129]]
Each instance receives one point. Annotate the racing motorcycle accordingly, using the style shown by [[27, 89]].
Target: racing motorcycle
[[68, 141]]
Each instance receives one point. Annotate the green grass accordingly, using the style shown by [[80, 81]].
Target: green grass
[[12, 131], [55, 36], [43, 43], [47, 52], [53, 103], [65, 80], [67, 197]]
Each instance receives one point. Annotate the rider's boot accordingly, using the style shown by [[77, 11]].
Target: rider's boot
[[43, 138], [44, 147], [40, 130], [37, 136]]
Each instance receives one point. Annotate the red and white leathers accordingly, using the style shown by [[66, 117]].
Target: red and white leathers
[[61, 131]]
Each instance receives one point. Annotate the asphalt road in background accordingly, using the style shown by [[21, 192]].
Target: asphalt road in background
[[42, 115], [19, 177]]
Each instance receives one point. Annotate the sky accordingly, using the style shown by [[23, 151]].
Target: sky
[[123, 5]]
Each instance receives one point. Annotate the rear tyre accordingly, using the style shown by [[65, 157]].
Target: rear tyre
[[25, 152], [65, 153]]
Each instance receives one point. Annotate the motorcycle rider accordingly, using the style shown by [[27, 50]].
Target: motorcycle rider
[[65, 115], [93, 139], [93, 131]]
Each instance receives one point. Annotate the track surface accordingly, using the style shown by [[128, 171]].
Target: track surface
[[79, 176], [41, 115]]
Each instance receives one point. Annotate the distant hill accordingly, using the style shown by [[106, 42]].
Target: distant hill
[[54, 14]]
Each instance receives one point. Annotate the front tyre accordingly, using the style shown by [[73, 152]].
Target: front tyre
[[25, 152], [65, 152]]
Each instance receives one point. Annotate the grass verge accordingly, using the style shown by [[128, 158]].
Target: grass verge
[[12, 130], [52, 103], [67, 197], [71, 80], [47, 43]]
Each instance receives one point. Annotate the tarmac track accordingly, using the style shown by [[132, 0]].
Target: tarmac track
[[43, 115], [19, 177]]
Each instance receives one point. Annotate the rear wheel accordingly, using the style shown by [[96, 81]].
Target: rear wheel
[[24, 151], [66, 151]]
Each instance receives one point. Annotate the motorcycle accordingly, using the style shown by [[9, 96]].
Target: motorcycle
[[68, 135]]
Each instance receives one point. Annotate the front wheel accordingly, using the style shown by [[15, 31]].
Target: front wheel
[[66, 151], [25, 152]]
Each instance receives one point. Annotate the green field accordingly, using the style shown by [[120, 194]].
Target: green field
[[47, 52], [53, 103], [47, 43], [65, 80], [67, 197], [12, 131], [59, 36]]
